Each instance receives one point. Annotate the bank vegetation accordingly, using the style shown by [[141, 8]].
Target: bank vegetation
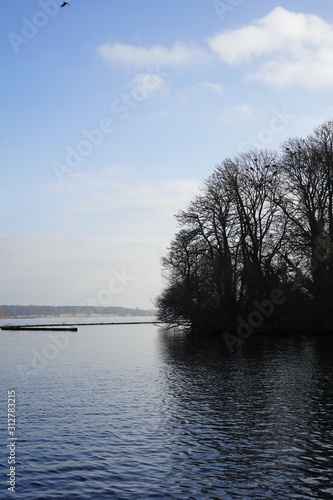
[[256, 245]]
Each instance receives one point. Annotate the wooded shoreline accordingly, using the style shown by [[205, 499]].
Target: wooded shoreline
[[256, 245]]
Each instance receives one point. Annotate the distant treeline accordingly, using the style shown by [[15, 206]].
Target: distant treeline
[[255, 247], [39, 311]]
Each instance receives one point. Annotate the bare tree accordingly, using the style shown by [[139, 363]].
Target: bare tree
[[263, 220], [307, 202]]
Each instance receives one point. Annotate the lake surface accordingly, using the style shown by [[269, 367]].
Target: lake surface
[[132, 412]]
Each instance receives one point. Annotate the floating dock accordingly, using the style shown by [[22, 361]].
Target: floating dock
[[73, 327], [43, 328]]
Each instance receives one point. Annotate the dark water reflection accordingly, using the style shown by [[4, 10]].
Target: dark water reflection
[[257, 424], [133, 412]]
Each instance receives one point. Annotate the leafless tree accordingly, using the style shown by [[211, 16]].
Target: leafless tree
[[262, 221]]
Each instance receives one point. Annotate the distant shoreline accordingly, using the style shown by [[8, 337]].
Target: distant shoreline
[[35, 312], [37, 316]]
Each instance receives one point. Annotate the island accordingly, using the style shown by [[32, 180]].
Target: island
[[254, 252]]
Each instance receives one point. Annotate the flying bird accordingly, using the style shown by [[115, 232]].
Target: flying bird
[[64, 4]]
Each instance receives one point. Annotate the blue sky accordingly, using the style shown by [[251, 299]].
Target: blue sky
[[115, 112]]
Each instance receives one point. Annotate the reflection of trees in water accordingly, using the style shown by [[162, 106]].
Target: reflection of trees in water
[[252, 416]]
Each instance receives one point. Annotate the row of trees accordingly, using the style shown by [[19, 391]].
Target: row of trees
[[16, 311], [263, 222]]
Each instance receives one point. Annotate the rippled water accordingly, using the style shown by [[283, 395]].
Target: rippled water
[[132, 412]]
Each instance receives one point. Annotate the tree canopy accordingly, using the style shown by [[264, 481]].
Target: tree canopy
[[261, 225]]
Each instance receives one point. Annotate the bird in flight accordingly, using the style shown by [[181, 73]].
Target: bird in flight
[[64, 3]]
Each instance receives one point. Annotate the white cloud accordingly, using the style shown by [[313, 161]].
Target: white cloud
[[180, 54], [202, 90], [211, 87], [238, 114], [289, 48], [151, 83], [118, 170], [107, 195], [243, 109]]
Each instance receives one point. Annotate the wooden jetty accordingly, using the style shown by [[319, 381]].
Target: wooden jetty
[[40, 327], [73, 327]]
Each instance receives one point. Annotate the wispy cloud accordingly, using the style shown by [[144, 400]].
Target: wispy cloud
[[155, 83], [235, 114], [216, 88], [119, 170], [284, 48], [180, 54], [106, 194]]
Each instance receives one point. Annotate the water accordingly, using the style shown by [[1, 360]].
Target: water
[[131, 412]]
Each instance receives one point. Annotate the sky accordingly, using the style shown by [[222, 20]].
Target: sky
[[114, 112]]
